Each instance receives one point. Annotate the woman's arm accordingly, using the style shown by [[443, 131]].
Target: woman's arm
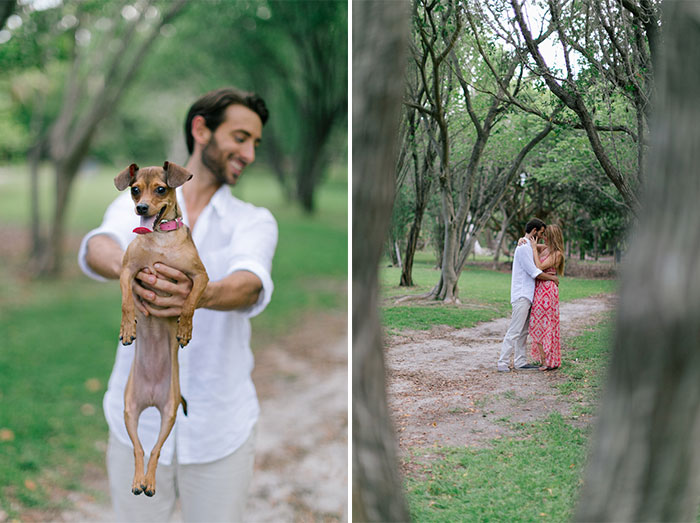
[[551, 261], [536, 254]]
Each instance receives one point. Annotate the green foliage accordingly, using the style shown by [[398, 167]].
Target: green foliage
[[293, 53]]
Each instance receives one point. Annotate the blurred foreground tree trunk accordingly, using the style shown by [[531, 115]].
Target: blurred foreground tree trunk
[[112, 67], [380, 37], [645, 460]]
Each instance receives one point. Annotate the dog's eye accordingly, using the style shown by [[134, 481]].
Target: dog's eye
[[160, 190], [135, 191]]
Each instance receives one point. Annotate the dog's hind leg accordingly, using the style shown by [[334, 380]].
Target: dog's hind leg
[[167, 404], [131, 419], [167, 417]]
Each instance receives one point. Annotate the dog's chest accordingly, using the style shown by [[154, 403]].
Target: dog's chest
[[171, 248]]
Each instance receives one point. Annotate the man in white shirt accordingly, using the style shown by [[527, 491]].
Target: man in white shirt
[[522, 291], [207, 461]]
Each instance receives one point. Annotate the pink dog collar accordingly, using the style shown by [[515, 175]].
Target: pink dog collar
[[171, 225]]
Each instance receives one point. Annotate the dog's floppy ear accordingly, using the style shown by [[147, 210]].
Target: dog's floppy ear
[[126, 177], [175, 175]]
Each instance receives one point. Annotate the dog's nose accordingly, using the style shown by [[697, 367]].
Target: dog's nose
[[142, 208]]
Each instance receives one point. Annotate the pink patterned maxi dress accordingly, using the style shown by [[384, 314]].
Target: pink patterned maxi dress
[[544, 319]]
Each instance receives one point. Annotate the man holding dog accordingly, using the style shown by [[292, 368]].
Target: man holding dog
[[208, 458], [522, 291]]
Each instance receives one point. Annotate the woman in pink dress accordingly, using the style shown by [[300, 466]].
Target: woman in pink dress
[[544, 315]]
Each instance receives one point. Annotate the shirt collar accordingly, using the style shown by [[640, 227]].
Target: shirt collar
[[218, 201]]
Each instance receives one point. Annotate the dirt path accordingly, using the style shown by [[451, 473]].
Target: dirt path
[[444, 389], [301, 469]]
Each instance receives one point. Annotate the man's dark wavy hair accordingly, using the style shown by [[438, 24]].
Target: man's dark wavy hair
[[212, 107], [535, 223]]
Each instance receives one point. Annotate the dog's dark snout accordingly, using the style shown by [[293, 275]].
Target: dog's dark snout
[[141, 208]]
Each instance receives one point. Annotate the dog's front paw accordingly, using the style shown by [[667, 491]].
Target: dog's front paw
[[184, 331], [127, 332]]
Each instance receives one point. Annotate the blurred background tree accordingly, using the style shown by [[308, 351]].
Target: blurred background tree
[[84, 83]]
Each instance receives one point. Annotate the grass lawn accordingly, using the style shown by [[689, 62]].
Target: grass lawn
[[534, 475], [59, 336], [484, 294]]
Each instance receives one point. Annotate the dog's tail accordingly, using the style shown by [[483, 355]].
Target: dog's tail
[[184, 405]]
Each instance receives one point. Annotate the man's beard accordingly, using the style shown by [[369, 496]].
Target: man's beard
[[212, 158]]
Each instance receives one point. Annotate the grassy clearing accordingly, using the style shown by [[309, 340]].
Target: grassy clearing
[[531, 476], [485, 295], [59, 337]]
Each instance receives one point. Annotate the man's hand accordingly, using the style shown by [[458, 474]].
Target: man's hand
[[162, 294]]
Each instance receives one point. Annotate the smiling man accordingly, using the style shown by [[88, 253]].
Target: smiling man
[[208, 458]]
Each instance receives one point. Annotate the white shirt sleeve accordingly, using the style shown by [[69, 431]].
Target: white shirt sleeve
[[118, 223], [523, 256], [253, 246]]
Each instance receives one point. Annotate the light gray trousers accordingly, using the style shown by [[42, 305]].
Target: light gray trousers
[[210, 492], [516, 336]]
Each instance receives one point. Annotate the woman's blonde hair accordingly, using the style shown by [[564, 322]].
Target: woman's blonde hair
[[554, 239]]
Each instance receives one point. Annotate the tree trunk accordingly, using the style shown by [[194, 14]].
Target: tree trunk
[[7, 7], [411, 246], [309, 169], [73, 131], [380, 31], [500, 238], [596, 244], [447, 289], [645, 459], [50, 262], [37, 245]]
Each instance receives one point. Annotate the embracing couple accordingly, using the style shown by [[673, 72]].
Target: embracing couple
[[534, 296]]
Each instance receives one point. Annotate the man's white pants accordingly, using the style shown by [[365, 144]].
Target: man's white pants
[[516, 336], [215, 491]]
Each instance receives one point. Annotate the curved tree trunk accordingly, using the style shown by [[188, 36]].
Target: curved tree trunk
[[645, 460], [73, 130], [380, 30], [411, 246]]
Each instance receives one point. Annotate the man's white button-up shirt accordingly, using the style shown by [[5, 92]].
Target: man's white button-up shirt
[[215, 367], [522, 283]]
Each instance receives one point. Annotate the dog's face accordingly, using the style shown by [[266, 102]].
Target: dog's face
[[153, 190]]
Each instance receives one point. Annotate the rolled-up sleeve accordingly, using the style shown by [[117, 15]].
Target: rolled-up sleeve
[[253, 247], [118, 224]]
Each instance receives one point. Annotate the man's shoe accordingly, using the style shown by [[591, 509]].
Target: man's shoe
[[503, 370], [528, 366]]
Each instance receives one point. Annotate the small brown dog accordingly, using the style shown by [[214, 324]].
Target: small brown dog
[[162, 238]]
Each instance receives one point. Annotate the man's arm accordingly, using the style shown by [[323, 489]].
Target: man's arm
[[550, 277], [104, 256], [167, 291], [238, 290]]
